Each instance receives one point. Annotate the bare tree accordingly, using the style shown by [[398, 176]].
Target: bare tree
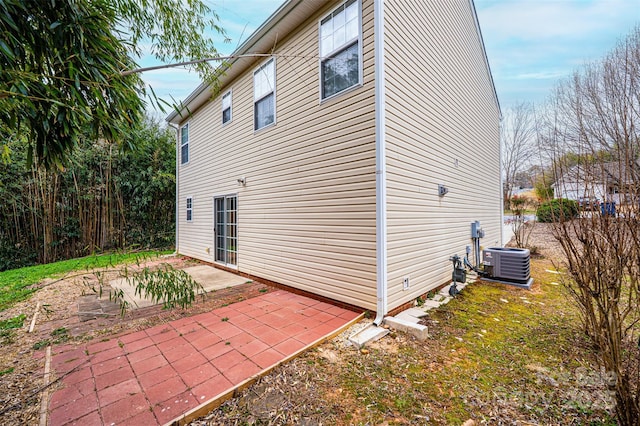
[[517, 134], [595, 116]]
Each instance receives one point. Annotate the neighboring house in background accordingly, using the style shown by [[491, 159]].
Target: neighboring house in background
[[608, 182], [318, 164], [578, 182]]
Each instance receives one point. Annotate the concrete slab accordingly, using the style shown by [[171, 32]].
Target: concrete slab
[[412, 314], [439, 297], [526, 286], [408, 317], [430, 304], [415, 312], [214, 279], [129, 292], [444, 291], [368, 335], [418, 330], [208, 277], [91, 307]]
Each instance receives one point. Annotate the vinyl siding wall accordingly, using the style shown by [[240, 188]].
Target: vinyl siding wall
[[442, 128], [306, 216]]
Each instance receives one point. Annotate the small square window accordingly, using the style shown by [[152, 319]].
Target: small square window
[[226, 107]]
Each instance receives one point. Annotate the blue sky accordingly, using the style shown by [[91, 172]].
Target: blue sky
[[531, 44]]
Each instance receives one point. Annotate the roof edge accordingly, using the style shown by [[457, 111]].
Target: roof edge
[[201, 94], [484, 52]]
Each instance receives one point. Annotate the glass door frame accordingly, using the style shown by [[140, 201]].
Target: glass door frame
[[225, 229]]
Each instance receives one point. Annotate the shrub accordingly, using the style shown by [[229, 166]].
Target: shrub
[[15, 255], [517, 204], [557, 210], [543, 189]]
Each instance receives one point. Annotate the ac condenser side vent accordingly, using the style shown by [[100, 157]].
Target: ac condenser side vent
[[511, 265]]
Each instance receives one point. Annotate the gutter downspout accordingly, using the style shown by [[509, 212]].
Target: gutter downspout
[[177, 129], [381, 164], [502, 200]]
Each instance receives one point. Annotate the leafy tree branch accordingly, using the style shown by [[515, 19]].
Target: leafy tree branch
[[62, 63]]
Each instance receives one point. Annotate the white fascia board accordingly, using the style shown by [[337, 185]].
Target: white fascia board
[[287, 18]]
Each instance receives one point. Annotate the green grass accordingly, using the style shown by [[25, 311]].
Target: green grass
[[7, 326], [15, 322], [491, 347], [17, 284], [7, 371], [502, 342], [58, 335]]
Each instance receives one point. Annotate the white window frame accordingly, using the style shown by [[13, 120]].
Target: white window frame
[[189, 209], [324, 56], [225, 237], [228, 95], [184, 144], [257, 97]]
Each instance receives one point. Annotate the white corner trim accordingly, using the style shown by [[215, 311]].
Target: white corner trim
[[381, 164], [177, 194]]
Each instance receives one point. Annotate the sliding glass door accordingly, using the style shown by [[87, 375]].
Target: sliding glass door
[[226, 229]]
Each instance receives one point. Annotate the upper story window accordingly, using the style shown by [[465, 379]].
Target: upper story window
[[189, 209], [184, 144], [340, 49], [264, 96], [226, 107]]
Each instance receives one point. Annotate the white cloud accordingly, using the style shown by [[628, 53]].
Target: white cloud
[[552, 19], [543, 75]]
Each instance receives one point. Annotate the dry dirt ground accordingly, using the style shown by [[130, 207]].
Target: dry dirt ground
[[58, 322], [540, 236]]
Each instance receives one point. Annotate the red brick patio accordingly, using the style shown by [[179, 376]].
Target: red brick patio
[[157, 375]]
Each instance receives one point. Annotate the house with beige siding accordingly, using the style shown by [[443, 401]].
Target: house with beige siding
[[320, 160]]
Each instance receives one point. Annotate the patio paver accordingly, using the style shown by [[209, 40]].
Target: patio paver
[[158, 375]]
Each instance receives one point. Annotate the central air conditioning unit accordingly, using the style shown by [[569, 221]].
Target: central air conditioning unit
[[507, 265]]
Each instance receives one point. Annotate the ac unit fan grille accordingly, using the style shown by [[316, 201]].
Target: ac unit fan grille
[[511, 264]]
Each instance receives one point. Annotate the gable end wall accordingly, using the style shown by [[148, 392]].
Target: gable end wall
[[442, 124], [307, 213]]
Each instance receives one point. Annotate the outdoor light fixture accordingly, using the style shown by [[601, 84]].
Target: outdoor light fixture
[[442, 190], [242, 181]]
